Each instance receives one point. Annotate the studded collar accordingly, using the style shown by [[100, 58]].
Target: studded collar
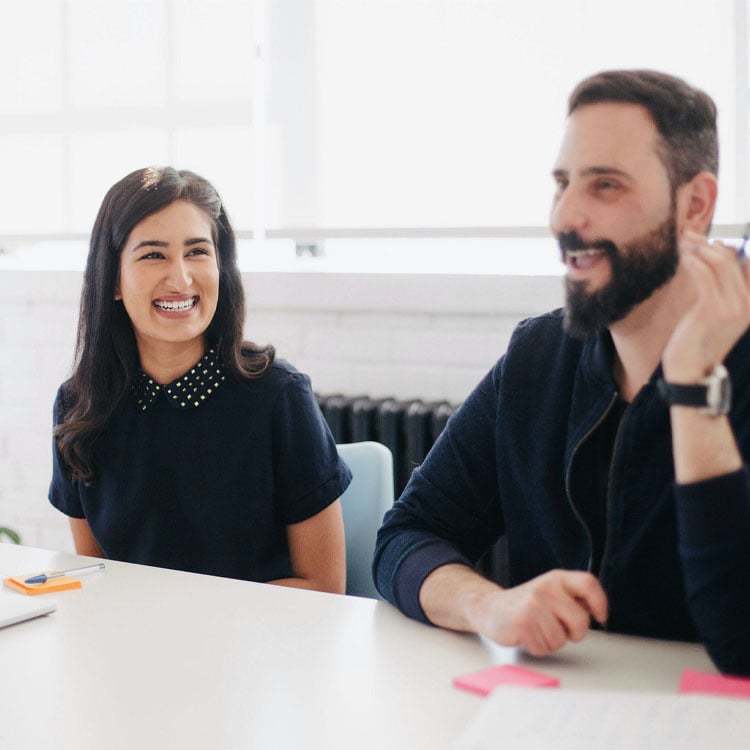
[[188, 391]]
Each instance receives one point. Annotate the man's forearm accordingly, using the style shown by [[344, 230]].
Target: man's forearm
[[541, 615], [452, 597], [703, 446]]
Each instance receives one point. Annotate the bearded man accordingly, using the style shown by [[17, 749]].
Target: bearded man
[[606, 444]]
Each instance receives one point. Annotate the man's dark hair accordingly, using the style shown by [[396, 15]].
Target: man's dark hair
[[684, 116]]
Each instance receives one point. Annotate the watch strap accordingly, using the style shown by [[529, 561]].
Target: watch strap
[[713, 395], [676, 394]]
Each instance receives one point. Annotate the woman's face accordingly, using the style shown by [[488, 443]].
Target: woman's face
[[169, 281]]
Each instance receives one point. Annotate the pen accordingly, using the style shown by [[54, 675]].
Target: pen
[[42, 577], [741, 251]]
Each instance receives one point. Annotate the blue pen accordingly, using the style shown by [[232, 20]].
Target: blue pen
[[745, 237], [43, 577]]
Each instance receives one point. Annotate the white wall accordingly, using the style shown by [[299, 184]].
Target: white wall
[[408, 336]]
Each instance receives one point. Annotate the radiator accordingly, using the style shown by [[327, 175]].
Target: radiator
[[408, 428]]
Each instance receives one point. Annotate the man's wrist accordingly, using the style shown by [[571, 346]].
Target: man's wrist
[[458, 597], [479, 602], [711, 394]]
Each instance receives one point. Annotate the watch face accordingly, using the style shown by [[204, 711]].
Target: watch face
[[719, 391]]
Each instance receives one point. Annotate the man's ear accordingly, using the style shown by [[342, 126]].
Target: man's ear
[[697, 201]]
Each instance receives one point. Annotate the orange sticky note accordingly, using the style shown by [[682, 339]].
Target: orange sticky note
[[63, 583], [486, 680], [714, 684]]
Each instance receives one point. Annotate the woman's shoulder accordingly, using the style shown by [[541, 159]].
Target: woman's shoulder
[[281, 389], [64, 398], [283, 368], [276, 377]]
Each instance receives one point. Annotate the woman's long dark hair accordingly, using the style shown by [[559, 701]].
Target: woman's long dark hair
[[106, 354]]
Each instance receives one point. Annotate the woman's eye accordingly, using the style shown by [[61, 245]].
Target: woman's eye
[[152, 255], [199, 251]]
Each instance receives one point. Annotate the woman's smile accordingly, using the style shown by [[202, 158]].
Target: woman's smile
[[177, 307]]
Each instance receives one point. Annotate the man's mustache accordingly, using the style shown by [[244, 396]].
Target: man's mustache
[[573, 241]]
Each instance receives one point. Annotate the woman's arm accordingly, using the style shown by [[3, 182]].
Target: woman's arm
[[83, 538], [318, 552]]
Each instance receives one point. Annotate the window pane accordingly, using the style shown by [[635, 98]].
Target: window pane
[[213, 50], [223, 156], [31, 191], [450, 113], [693, 39], [30, 56], [426, 123], [118, 52], [380, 113], [98, 160]]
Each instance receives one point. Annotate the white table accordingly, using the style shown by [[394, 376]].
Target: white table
[[149, 658]]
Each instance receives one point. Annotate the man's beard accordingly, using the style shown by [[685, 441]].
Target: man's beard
[[638, 269]]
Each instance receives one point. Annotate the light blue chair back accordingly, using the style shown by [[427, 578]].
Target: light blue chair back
[[363, 505]]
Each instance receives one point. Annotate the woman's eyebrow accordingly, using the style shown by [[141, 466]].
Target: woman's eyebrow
[[150, 243], [161, 243]]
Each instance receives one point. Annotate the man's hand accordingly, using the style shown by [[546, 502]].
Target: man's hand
[[704, 446], [541, 615], [719, 315], [545, 613]]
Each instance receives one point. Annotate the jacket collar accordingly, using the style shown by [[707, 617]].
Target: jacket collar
[[186, 392], [598, 355]]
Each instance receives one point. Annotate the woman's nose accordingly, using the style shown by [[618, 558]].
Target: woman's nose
[[179, 276]]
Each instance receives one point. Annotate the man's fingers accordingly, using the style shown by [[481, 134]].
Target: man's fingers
[[548, 635], [571, 599], [543, 614], [587, 590]]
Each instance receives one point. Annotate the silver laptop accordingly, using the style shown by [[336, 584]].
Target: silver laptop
[[17, 608]]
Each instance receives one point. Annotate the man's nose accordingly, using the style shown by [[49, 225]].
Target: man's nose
[[569, 212]]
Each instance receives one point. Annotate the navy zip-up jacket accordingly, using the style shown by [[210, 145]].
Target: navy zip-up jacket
[[676, 558]]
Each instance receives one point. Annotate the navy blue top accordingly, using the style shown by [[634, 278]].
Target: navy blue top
[[674, 558], [204, 474]]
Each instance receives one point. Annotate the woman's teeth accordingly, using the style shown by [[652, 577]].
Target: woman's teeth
[[176, 305]]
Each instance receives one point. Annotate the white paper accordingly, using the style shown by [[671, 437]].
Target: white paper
[[559, 719]]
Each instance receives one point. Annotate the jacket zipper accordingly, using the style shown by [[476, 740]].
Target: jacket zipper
[[567, 484], [611, 484]]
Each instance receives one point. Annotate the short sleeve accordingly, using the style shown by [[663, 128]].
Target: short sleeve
[[309, 475], [62, 492]]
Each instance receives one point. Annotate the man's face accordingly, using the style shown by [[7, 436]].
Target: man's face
[[613, 214]]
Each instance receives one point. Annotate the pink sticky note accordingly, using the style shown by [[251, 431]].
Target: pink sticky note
[[485, 680], [714, 684]]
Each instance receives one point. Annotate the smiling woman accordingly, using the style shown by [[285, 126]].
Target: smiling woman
[[177, 443], [169, 286]]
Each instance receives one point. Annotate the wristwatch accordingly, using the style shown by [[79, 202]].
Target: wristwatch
[[712, 395]]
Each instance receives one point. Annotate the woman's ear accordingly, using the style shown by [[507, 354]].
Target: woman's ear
[[697, 199]]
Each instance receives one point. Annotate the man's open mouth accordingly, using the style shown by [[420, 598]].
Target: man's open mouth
[[583, 259]]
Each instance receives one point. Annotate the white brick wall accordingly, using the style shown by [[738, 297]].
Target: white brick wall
[[406, 336]]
